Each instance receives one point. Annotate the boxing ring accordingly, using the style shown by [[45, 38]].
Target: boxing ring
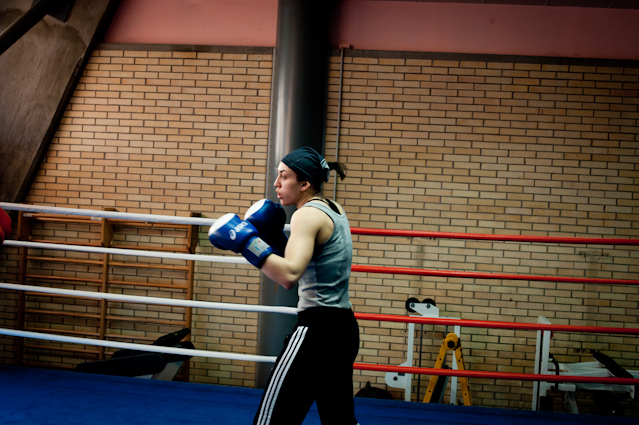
[[165, 402], [34, 396]]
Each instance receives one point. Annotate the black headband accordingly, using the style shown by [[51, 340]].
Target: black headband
[[308, 165]]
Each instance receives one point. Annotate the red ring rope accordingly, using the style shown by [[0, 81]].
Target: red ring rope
[[496, 375], [493, 324], [491, 237], [484, 275]]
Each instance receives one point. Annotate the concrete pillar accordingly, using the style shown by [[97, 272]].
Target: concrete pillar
[[298, 106]]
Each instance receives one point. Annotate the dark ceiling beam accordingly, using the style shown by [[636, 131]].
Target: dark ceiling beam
[[57, 8], [38, 74]]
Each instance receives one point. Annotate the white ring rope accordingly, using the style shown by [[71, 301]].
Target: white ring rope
[[131, 252], [147, 218], [131, 298], [148, 300], [152, 300], [150, 218], [140, 347]]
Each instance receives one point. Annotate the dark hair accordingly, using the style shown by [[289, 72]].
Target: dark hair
[[339, 167]]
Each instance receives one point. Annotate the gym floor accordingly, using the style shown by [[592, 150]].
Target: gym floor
[[41, 396]]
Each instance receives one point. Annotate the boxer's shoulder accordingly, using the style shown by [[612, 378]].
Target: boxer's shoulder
[[314, 222]]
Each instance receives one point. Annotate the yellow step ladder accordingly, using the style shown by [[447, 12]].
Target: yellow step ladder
[[451, 342]]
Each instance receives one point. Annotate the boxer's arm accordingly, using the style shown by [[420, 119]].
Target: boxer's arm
[[306, 224]]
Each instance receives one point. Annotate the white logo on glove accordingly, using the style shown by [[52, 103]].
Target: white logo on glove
[[239, 227], [232, 234]]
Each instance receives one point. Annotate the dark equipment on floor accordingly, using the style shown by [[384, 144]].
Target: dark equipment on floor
[[133, 363]]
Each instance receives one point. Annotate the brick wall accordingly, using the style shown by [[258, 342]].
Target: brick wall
[[484, 146], [491, 147], [169, 132]]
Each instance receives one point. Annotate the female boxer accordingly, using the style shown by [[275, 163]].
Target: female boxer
[[316, 363]]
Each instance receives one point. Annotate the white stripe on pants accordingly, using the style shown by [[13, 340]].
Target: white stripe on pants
[[280, 374]]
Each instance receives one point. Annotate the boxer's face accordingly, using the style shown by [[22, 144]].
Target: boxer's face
[[287, 187]]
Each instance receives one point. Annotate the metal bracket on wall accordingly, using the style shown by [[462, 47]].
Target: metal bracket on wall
[[595, 255]]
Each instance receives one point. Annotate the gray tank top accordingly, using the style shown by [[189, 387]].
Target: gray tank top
[[325, 281]]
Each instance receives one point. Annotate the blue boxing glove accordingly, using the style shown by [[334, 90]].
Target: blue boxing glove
[[269, 218], [231, 233]]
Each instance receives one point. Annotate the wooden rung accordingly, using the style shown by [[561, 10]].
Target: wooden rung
[[66, 220], [66, 260], [152, 285], [129, 337], [42, 294], [182, 250], [62, 217], [148, 266], [95, 245], [147, 320], [147, 224], [72, 350], [59, 331], [62, 313], [62, 278]]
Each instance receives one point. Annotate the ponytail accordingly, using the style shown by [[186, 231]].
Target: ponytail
[[340, 167]]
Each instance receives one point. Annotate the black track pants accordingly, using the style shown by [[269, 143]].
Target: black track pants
[[316, 364]]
